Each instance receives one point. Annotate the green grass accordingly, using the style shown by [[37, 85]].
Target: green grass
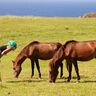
[[26, 29]]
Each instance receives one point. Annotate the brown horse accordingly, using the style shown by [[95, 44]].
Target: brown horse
[[72, 51], [34, 51]]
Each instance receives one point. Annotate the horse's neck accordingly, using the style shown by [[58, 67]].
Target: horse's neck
[[20, 59]]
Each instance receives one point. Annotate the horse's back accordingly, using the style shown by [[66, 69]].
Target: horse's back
[[85, 50], [42, 50], [47, 50], [86, 45], [48, 46]]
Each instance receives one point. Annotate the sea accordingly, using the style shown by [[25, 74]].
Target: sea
[[47, 9]]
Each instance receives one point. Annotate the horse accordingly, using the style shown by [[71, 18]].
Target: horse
[[72, 51], [34, 51]]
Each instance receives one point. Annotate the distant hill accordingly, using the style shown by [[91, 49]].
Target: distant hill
[[89, 15]]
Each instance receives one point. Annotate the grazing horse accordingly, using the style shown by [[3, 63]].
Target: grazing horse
[[72, 51], [34, 51]]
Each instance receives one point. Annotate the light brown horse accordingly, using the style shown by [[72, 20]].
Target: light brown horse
[[72, 51], [34, 51]]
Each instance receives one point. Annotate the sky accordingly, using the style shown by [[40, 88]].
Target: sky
[[47, 0]]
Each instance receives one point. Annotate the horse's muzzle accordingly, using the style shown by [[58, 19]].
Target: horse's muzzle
[[15, 75]]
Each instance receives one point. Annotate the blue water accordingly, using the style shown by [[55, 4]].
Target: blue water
[[72, 9]]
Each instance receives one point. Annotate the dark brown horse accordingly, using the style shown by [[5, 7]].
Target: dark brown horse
[[72, 51], [34, 51]]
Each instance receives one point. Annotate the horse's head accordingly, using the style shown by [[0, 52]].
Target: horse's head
[[54, 64], [17, 69], [53, 72]]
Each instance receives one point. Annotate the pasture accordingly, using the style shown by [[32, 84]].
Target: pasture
[[45, 29]]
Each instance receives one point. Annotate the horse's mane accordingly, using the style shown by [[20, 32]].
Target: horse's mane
[[70, 41], [34, 42], [26, 47]]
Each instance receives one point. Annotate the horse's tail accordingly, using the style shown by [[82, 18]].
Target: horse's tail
[[58, 45]]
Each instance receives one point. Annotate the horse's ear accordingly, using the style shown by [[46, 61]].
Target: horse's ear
[[13, 61]]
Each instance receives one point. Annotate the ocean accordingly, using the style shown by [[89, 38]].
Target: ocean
[[67, 9]]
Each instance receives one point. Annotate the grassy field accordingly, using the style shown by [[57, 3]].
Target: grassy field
[[26, 29]]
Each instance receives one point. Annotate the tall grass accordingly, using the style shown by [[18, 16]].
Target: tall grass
[[26, 29]]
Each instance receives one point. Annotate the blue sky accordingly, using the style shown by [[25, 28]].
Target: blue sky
[[47, 0]]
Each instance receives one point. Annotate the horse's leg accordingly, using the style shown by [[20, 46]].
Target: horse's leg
[[38, 67], [32, 68], [61, 72], [76, 69], [69, 66]]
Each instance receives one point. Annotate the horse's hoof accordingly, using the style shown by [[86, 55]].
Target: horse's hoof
[[68, 80], [61, 76], [39, 75], [39, 78], [78, 81]]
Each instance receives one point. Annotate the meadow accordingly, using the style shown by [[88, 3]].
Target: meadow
[[45, 29]]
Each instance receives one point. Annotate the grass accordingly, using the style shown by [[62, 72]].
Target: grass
[[26, 29]]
